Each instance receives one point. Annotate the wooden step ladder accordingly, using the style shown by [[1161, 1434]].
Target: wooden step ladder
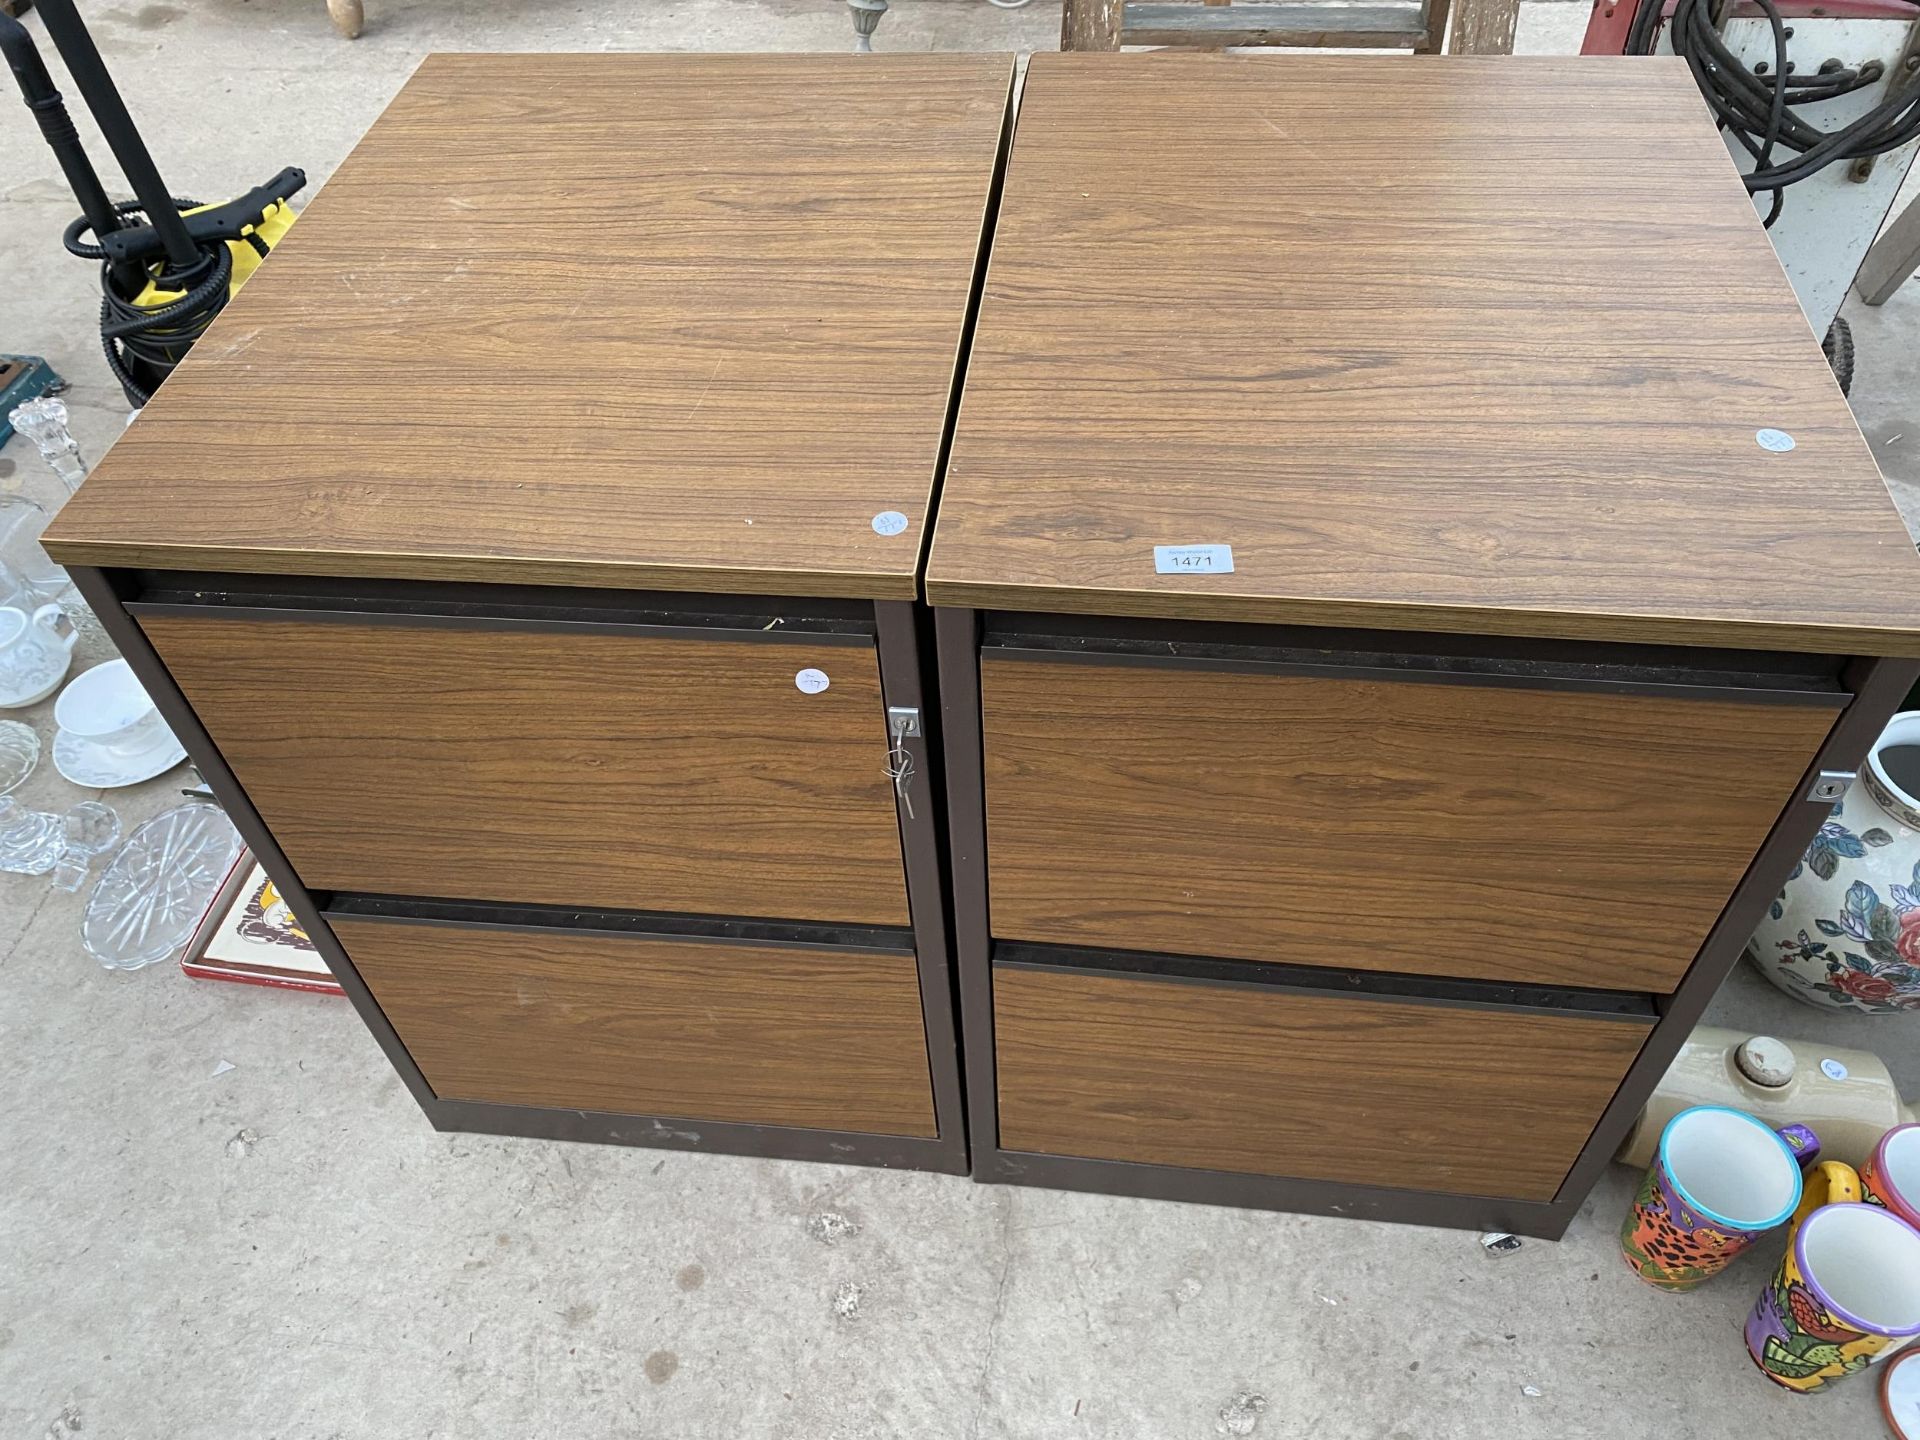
[[1481, 27]]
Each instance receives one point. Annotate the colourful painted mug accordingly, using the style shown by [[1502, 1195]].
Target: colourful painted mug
[[1719, 1180], [1847, 1288], [1891, 1176]]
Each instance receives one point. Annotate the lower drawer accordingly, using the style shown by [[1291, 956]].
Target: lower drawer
[[696, 1028], [1271, 1081]]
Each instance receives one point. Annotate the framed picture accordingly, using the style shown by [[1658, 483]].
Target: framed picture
[[248, 934]]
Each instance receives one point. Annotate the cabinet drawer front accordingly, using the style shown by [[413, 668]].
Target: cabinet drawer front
[[756, 1034], [1267, 1082], [555, 767], [1554, 837]]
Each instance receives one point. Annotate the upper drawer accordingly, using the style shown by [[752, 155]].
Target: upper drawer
[[570, 766], [1557, 836]]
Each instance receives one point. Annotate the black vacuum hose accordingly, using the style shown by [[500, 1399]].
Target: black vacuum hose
[[1755, 104], [143, 344]]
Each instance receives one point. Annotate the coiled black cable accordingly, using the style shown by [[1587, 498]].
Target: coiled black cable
[[1757, 107], [143, 345]]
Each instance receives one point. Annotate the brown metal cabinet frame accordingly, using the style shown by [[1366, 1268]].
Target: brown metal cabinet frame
[[1874, 689], [116, 597]]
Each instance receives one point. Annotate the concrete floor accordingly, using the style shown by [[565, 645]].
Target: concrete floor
[[342, 1271]]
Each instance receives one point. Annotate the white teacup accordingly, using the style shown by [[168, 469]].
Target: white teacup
[[107, 706], [35, 649]]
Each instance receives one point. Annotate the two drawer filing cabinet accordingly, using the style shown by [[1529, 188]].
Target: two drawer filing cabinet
[[528, 560], [1392, 643], [1388, 665]]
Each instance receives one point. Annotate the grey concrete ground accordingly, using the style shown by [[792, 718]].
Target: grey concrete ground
[[286, 1250]]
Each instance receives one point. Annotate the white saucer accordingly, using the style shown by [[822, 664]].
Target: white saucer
[[89, 764]]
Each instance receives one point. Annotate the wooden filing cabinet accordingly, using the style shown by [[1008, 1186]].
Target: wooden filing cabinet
[[538, 595], [1384, 678]]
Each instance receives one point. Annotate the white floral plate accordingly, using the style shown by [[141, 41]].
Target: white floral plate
[[90, 764]]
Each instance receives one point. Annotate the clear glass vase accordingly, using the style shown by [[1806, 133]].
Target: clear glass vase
[[22, 522]]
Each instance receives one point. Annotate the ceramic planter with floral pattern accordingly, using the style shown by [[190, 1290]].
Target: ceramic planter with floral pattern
[[1846, 931]]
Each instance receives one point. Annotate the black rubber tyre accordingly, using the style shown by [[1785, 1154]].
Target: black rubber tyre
[[1839, 348]]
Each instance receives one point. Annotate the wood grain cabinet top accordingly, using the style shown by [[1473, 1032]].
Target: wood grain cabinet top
[[648, 321], [1458, 344]]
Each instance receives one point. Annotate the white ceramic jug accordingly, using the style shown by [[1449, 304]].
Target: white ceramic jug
[[35, 650]]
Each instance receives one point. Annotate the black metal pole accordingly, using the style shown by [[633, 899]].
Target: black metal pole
[[89, 71], [43, 99]]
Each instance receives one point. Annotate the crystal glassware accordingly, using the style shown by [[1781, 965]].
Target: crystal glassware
[[22, 521], [30, 840], [15, 592], [19, 753], [44, 422], [92, 828], [70, 870], [87, 831], [154, 892]]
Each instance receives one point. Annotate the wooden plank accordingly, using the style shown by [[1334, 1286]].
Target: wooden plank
[[1368, 323], [1553, 837], [1270, 1083], [1286, 24], [1893, 258], [573, 1020], [655, 321], [1439, 12], [1204, 2], [1484, 27], [620, 771], [1090, 24]]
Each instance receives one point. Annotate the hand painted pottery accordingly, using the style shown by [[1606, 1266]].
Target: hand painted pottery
[[1847, 1288], [1891, 1176], [1719, 1180], [1831, 1182], [1845, 932], [1900, 1395]]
